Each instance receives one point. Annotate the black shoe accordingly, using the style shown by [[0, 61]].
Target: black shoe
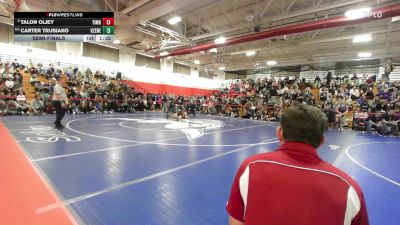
[[59, 126]]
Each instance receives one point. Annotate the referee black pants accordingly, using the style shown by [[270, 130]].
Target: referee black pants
[[60, 112]]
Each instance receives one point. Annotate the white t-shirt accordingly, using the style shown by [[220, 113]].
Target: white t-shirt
[[21, 98]]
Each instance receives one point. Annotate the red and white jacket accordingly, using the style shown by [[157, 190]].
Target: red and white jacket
[[293, 186]]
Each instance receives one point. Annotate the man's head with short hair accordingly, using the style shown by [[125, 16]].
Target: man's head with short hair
[[303, 123]]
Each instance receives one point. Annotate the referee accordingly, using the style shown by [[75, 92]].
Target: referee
[[60, 101], [293, 185]]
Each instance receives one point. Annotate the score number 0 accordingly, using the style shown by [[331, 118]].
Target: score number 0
[[108, 21]]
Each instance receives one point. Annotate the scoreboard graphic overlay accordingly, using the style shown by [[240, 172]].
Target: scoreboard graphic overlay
[[64, 26]]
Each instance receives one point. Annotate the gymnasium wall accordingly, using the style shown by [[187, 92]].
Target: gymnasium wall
[[311, 74], [70, 55], [171, 89], [394, 75]]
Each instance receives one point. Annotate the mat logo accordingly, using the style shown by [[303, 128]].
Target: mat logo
[[192, 128], [48, 134], [334, 147]]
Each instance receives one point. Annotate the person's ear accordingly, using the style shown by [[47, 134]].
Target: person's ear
[[279, 133], [322, 141]]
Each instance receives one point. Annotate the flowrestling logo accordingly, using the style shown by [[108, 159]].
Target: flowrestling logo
[[192, 128], [48, 134]]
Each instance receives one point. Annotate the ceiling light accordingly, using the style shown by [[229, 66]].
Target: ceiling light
[[213, 50], [164, 53], [175, 20], [116, 41], [271, 62], [196, 62], [357, 13], [249, 16], [220, 40], [169, 57], [364, 54], [250, 53], [362, 38], [221, 68]]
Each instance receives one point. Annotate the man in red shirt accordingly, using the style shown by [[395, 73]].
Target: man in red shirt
[[292, 185]]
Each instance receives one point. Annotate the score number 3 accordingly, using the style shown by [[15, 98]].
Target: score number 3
[[108, 30]]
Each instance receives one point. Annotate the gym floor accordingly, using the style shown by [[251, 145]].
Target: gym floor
[[143, 169]]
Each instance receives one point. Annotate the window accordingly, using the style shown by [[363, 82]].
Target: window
[[142, 60], [182, 69], [206, 74], [5, 33], [100, 52]]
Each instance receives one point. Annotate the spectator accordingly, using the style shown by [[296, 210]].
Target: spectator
[[33, 80], [374, 120], [3, 107], [354, 77], [15, 64], [11, 108], [17, 85], [21, 103], [2, 69], [391, 120], [341, 110], [37, 105], [9, 84], [165, 102], [118, 76]]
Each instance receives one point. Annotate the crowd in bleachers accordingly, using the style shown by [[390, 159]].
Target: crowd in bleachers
[[12, 98], [259, 99], [337, 96], [84, 89]]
